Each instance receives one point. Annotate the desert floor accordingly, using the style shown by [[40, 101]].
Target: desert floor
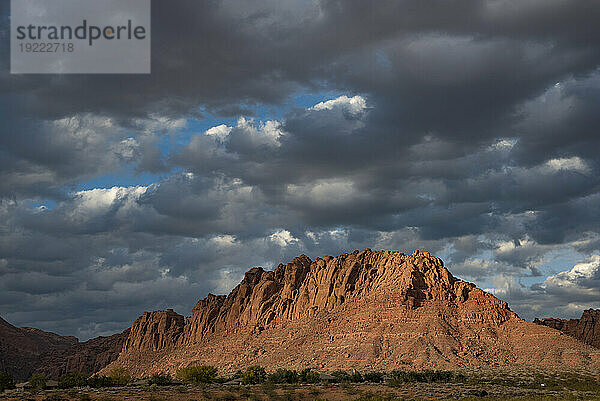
[[501, 384]]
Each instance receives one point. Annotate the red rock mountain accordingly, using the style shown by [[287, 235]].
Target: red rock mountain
[[364, 310], [586, 329], [24, 351]]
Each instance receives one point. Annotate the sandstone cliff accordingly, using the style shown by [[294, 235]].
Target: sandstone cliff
[[364, 310], [586, 329], [24, 351]]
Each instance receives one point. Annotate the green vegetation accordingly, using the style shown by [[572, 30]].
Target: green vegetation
[[100, 381], [6, 381], [197, 374], [399, 377], [37, 381], [161, 379], [284, 376], [374, 377], [254, 375], [120, 376], [342, 376], [309, 376], [74, 379]]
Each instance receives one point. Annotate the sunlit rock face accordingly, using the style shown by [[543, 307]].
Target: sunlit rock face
[[362, 310]]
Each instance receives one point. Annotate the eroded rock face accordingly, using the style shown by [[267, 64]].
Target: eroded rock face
[[302, 289], [24, 351], [586, 329], [155, 331], [364, 310]]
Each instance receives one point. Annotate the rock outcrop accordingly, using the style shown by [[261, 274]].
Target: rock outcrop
[[586, 329], [364, 310], [155, 331], [21, 349], [24, 351]]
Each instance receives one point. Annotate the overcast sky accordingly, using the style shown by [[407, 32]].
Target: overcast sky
[[273, 128]]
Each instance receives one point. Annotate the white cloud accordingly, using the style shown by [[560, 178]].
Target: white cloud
[[504, 144], [569, 164], [265, 133], [220, 132], [224, 241], [587, 270], [283, 238], [353, 105], [155, 123], [90, 203]]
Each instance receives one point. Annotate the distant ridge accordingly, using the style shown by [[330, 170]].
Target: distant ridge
[[24, 351], [586, 329], [365, 310]]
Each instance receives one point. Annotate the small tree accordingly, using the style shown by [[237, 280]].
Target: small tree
[[120, 376], [309, 376], [74, 379], [197, 374], [161, 379], [342, 376], [313, 377], [254, 375], [356, 377], [6, 381], [373, 377], [37, 381], [284, 376]]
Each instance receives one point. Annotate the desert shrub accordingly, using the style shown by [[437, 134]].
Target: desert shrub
[[100, 381], [341, 376], [309, 376], [161, 379], [426, 376], [254, 375], [6, 381], [197, 374], [120, 376], [373, 377], [37, 381], [345, 377], [284, 376], [74, 379], [313, 377], [222, 379], [302, 375], [356, 377]]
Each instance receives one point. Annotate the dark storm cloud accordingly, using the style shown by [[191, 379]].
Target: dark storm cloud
[[468, 129]]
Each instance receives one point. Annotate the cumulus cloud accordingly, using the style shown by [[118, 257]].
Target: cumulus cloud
[[468, 130]]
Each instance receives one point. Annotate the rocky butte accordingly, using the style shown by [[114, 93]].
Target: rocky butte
[[364, 310], [586, 329]]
